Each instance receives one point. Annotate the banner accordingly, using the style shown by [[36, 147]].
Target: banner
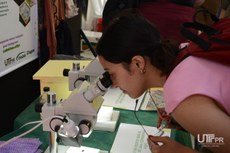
[[18, 34]]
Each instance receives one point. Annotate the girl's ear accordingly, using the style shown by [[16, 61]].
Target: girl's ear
[[139, 62]]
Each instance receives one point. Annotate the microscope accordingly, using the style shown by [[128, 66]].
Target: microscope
[[70, 120]]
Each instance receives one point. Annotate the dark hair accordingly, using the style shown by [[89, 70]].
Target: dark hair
[[130, 34]]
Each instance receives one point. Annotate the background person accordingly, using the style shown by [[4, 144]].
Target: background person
[[167, 15]]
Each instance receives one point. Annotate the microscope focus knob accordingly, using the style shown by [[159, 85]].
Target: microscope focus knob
[[38, 107], [66, 72], [85, 127]]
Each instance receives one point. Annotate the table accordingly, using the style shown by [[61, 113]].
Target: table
[[98, 139]]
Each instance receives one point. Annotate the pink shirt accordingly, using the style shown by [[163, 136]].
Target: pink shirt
[[198, 76]]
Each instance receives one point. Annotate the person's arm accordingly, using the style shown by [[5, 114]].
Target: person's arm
[[201, 115]]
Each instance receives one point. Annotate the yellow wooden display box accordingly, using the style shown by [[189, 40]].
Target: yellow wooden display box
[[51, 75]]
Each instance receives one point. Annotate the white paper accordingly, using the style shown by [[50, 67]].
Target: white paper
[[114, 97], [131, 138], [82, 149], [149, 104]]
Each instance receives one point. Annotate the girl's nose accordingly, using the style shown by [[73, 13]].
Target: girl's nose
[[114, 86]]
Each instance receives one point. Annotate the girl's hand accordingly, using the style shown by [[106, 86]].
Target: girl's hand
[[165, 144], [165, 120], [168, 120]]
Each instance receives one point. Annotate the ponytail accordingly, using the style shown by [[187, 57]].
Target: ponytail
[[164, 56]]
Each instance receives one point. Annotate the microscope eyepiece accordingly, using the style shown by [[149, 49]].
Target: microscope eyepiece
[[106, 80]]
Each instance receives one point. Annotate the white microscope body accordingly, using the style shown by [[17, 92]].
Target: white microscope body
[[71, 119]]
